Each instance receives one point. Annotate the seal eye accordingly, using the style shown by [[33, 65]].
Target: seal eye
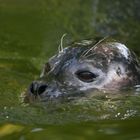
[[86, 76]]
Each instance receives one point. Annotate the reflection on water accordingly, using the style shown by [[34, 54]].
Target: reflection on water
[[89, 130], [30, 33]]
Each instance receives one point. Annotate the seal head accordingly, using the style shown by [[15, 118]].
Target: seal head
[[84, 67]]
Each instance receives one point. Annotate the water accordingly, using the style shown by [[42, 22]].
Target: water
[[30, 33]]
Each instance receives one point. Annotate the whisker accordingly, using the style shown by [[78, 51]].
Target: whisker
[[60, 47], [89, 55], [88, 50]]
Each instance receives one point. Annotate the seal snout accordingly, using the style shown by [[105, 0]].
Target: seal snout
[[37, 88]]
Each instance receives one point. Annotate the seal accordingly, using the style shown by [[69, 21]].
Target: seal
[[84, 67]]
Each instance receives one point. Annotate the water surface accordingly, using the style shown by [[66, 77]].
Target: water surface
[[30, 33]]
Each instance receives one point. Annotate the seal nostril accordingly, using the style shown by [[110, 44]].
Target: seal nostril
[[37, 88], [41, 89], [32, 88]]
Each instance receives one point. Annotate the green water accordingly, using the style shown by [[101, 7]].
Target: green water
[[30, 33]]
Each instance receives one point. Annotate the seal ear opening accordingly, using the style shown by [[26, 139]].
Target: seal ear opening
[[86, 76], [118, 71]]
